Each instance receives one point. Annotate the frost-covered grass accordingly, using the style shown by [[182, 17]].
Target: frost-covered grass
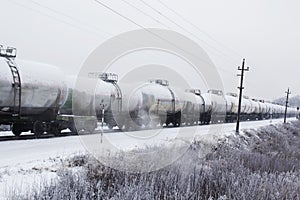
[[257, 164]]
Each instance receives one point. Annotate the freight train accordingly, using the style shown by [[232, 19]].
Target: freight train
[[35, 97]]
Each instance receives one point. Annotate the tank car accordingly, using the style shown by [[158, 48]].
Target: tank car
[[269, 110], [108, 98], [204, 103], [232, 106], [78, 112], [246, 114], [149, 104], [218, 105], [31, 94], [256, 109]]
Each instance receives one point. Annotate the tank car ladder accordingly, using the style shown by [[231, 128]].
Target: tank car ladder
[[16, 84], [119, 97]]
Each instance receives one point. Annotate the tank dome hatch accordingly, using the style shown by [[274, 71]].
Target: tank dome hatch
[[107, 77], [232, 94], [160, 82], [216, 92], [9, 52], [194, 91]]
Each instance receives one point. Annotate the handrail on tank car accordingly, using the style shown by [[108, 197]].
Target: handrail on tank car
[[107, 77], [160, 82], [9, 52], [194, 91], [217, 92]]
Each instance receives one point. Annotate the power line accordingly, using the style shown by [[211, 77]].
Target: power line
[[80, 28], [163, 24], [196, 27], [51, 17], [87, 30], [146, 14], [147, 30], [67, 16], [183, 28], [200, 30]]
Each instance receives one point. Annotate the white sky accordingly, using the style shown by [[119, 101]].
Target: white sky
[[265, 32]]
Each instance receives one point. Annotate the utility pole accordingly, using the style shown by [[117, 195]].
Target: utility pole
[[241, 93], [286, 103]]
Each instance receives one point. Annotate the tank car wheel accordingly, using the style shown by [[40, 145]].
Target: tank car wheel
[[73, 129], [55, 131], [176, 125], [16, 130], [90, 129], [125, 127], [110, 126], [38, 128]]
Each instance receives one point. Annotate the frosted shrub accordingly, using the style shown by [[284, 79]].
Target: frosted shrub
[[258, 164]]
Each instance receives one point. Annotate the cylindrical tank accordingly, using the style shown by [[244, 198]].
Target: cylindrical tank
[[191, 106], [269, 107], [199, 100], [263, 107], [247, 105], [207, 102], [151, 95], [42, 87], [255, 106], [143, 103], [218, 101], [92, 95], [232, 103]]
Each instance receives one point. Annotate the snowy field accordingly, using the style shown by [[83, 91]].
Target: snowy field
[[25, 162]]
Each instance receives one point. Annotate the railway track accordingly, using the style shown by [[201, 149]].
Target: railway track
[[30, 136]]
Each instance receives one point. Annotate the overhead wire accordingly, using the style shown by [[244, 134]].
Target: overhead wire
[[184, 29], [68, 16], [183, 18], [76, 20], [196, 27], [146, 14], [87, 30], [54, 18], [147, 30]]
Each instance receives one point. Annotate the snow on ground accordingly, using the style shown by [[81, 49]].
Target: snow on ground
[[27, 161]]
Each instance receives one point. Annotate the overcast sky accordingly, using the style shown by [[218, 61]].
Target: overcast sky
[[265, 32]]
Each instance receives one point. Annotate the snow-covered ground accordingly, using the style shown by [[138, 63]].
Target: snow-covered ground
[[37, 160]]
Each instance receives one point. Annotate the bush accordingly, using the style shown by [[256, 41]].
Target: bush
[[263, 164]]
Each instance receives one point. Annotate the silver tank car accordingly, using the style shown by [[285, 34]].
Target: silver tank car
[[247, 104], [205, 102], [218, 105], [232, 106], [108, 99], [149, 104], [30, 93], [191, 106], [92, 98], [255, 104]]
